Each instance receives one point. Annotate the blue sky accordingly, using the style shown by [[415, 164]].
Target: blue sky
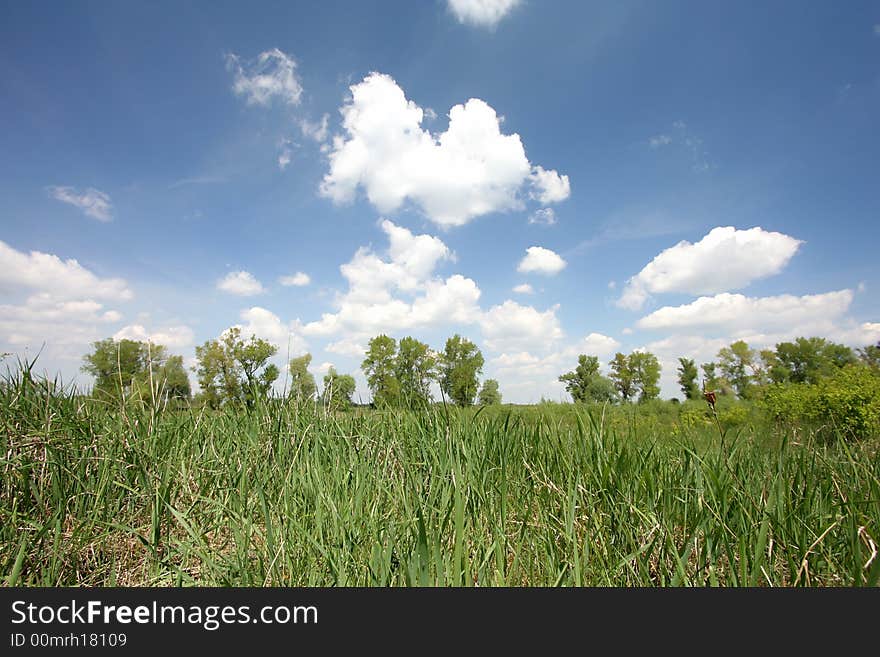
[[690, 172]]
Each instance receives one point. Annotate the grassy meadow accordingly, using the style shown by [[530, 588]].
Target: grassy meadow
[[99, 494]]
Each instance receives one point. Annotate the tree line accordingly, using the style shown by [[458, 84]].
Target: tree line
[[237, 371]]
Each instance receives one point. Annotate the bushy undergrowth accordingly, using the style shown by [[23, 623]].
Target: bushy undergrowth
[[279, 494]]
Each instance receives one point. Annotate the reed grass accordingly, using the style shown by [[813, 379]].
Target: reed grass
[[134, 494]]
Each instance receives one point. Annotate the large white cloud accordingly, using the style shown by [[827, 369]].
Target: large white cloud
[[511, 326], [271, 75], [399, 291], [470, 170], [528, 375], [94, 203], [169, 336], [725, 259], [732, 312], [481, 13], [62, 279], [240, 283], [541, 261]]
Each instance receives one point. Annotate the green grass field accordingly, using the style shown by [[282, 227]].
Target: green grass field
[[547, 495]]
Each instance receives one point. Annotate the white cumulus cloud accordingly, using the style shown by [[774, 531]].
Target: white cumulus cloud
[[541, 261], [523, 288], [467, 171], [725, 259], [737, 312], [170, 336], [63, 279], [512, 327], [481, 13], [398, 291], [299, 279], [94, 203], [272, 75], [240, 283]]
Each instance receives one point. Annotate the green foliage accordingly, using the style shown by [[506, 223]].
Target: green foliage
[[807, 360], [128, 368], [379, 367], [338, 390], [302, 382], [284, 494], [845, 404], [461, 363], [687, 378], [489, 394], [737, 362], [623, 376], [586, 384], [713, 381], [646, 374], [870, 355], [414, 369], [233, 371]]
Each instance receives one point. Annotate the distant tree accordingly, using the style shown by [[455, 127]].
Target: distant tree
[[302, 382], [585, 383], [171, 379], [378, 367], [714, 381], [414, 370], [115, 366], [737, 364], [687, 378], [646, 374], [129, 367], [461, 364], [489, 394], [623, 376], [338, 389], [870, 355], [806, 360], [232, 370]]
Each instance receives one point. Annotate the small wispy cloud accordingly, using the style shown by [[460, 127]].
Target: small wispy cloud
[[285, 153], [271, 75], [481, 13], [524, 288], [681, 135], [197, 180], [299, 279], [544, 217], [94, 203], [316, 130], [240, 283]]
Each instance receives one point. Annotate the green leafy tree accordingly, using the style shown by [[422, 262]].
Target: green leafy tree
[[645, 369], [171, 380], [870, 355], [623, 376], [687, 378], [379, 368], [302, 382], [115, 366], [489, 394], [136, 369], [338, 389], [737, 364], [461, 364], [714, 381], [414, 370], [585, 383], [807, 360], [232, 370]]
